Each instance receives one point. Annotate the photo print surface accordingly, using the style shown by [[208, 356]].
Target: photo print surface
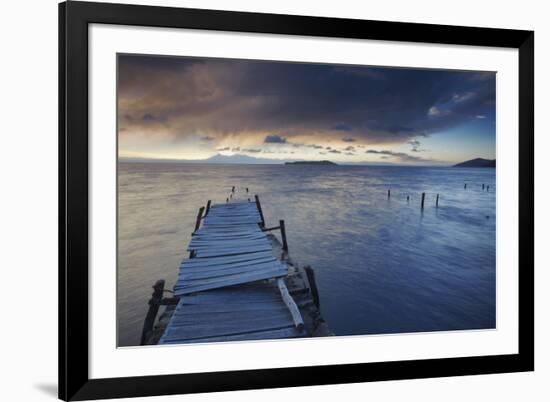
[[336, 200]]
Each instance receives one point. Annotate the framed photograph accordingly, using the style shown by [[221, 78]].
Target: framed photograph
[[257, 201]]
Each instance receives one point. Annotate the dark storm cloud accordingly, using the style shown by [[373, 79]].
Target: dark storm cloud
[[274, 139], [178, 97], [334, 151], [341, 127], [398, 156], [415, 145]]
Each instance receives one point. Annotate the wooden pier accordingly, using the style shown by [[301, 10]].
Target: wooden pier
[[238, 283]]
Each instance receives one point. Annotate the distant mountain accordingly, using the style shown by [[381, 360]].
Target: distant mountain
[[311, 163], [478, 162]]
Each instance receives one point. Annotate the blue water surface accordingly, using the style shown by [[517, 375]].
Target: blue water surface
[[382, 265]]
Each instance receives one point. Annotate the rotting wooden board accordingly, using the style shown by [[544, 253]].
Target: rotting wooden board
[[248, 227], [222, 260], [193, 245], [243, 312], [233, 221], [186, 286], [220, 252], [282, 333], [242, 320], [228, 236], [254, 264], [194, 332], [226, 265], [185, 275]]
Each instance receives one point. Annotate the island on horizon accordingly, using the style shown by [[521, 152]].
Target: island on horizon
[[325, 162], [478, 162]]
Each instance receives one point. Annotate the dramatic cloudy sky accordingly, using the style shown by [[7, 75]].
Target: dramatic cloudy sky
[[194, 108]]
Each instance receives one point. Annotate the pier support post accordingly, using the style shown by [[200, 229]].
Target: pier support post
[[407, 198], [464, 185], [437, 201], [313, 285], [388, 194], [154, 304], [199, 217], [422, 202], [207, 207], [259, 206], [483, 186], [233, 189], [283, 235]]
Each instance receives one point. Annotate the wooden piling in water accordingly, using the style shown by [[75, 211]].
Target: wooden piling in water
[[154, 305], [259, 206], [199, 217], [437, 201], [388, 194], [422, 202], [483, 186], [207, 207], [407, 198], [464, 185], [233, 189], [283, 235]]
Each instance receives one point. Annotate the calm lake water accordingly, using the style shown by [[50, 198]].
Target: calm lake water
[[382, 266]]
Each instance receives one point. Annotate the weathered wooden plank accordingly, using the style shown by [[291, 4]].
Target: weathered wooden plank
[[282, 333], [225, 222], [218, 330], [233, 248], [228, 228], [214, 265], [207, 309], [242, 212], [292, 307], [230, 300], [227, 243], [221, 252], [253, 248], [229, 281], [228, 234], [237, 320], [264, 273], [223, 260], [225, 268], [197, 275], [231, 218], [237, 294]]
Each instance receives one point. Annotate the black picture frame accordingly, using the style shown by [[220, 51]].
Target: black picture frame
[[74, 18]]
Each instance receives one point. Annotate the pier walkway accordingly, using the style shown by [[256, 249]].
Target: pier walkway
[[232, 287]]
